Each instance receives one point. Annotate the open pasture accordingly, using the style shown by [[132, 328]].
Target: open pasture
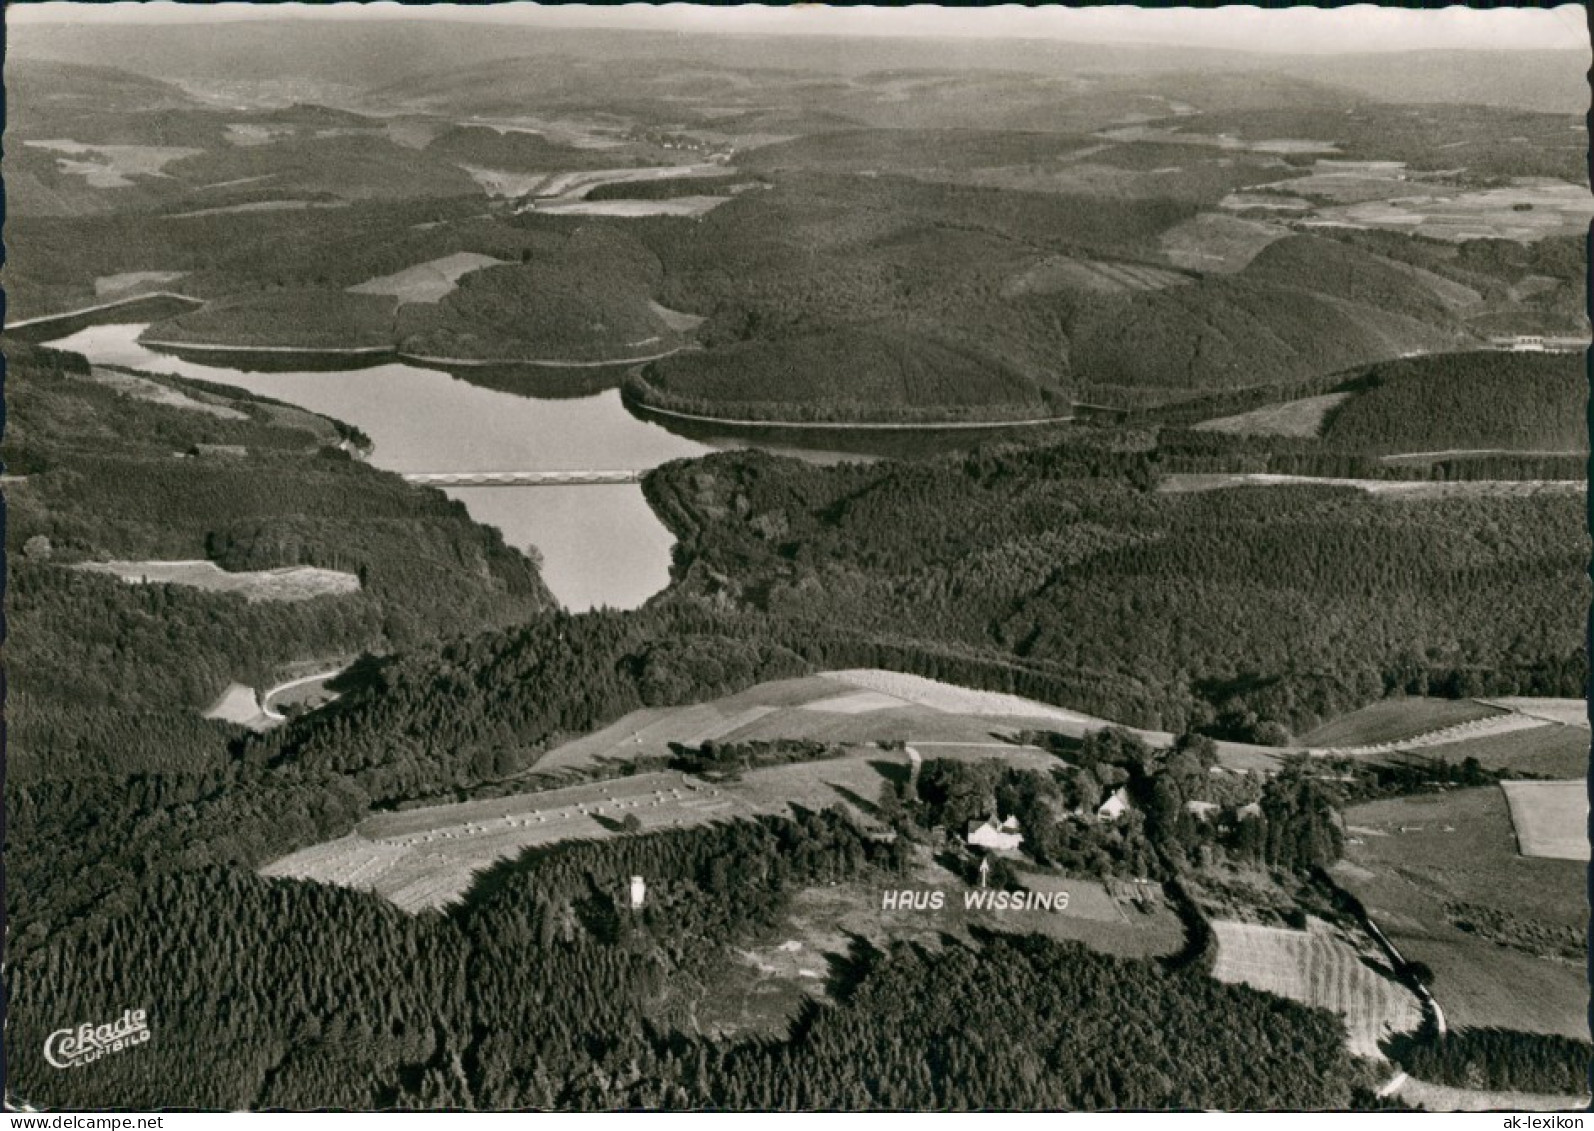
[[769, 980], [290, 583], [841, 707], [1543, 751], [1441, 875], [111, 166], [1319, 967], [427, 282], [1551, 817], [239, 704], [1567, 712], [1530, 209], [1392, 720], [124, 284], [1302, 417]]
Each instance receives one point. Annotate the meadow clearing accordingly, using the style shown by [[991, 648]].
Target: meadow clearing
[[762, 990], [431, 281], [1320, 966], [1503, 933], [1551, 817], [1303, 417], [289, 583]]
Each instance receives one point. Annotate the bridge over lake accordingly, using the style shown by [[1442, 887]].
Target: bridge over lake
[[521, 478]]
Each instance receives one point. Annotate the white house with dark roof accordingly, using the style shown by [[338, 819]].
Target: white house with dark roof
[[998, 836], [1115, 806]]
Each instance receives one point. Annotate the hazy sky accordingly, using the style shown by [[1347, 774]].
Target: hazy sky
[[1364, 27]]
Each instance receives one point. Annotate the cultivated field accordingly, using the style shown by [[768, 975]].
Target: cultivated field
[[429, 857], [1551, 817], [1319, 967], [1392, 720], [290, 583], [427, 282], [110, 166], [859, 707], [1546, 751], [953, 699], [1568, 712], [1531, 209], [1302, 417], [259, 206], [1503, 933]]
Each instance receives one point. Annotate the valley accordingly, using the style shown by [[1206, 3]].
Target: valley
[[603, 569]]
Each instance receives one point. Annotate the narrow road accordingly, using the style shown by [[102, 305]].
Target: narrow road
[[271, 693], [41, 319]]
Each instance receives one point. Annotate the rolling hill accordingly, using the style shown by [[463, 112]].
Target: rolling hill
[[847, 375], [1505, 401]]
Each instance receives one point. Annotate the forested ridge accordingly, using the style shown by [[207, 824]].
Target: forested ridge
[[1222, 609], [111, 677], [1480, 400]]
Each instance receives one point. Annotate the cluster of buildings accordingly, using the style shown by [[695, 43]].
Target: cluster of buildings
[[1005, 835]]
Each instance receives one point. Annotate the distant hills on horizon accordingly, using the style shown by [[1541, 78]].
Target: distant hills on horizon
[[382, 51]]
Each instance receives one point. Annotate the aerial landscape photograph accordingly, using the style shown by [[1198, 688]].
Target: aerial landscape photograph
[[581, 558]]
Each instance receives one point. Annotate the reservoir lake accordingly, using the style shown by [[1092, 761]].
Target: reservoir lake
[[600, 545]]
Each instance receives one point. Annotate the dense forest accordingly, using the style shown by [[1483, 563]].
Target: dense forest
[[1237, 612], [852, 375], [1499, 1060], [543, 991], [1524, 401], [111, 677]]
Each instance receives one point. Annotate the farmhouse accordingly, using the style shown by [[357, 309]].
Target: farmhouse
[[1003, 836], [1201, 810], [1115, 806]]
